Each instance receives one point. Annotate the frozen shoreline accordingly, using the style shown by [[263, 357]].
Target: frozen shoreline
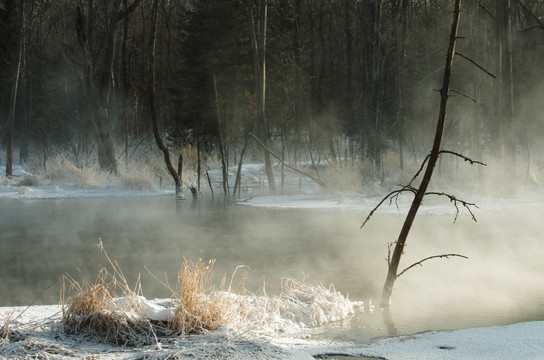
[[37, 333]]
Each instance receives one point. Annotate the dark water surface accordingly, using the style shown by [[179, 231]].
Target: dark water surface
[[502, 282]]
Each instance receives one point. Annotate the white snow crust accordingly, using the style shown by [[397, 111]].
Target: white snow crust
[[36, 333]]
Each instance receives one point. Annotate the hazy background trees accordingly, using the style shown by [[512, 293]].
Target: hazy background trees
[[345, 79]]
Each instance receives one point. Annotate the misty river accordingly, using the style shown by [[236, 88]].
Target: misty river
[[501, 283]]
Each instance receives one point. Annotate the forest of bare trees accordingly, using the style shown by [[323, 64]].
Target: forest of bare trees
[[342, 78]]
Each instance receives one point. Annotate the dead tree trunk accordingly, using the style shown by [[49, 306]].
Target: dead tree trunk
[[106, 153], [221, 143], [504, 33], [152, 104], [100, 96], [239, 171], [317, 180], [435, 152], [257, 32], [15, 89], [376, 146]]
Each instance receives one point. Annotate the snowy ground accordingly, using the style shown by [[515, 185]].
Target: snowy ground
[[36, 332]]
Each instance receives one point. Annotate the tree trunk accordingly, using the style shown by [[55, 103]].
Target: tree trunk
[[348, 97], [15, 89], [263, 18], [152, 108], [106, 153], [237, 184], [400, 16], [420, 194], [198, 164], [99, 98], [297, 48], [375, 93], [221, 144], [25, 97], [258, 44], [506, 100], [125, 81]]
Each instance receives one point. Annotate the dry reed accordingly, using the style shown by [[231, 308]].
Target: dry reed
[[200, 308], [93, 311], [109, 311]]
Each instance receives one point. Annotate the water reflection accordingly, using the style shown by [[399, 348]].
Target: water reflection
[[388, 321], [44, 239]]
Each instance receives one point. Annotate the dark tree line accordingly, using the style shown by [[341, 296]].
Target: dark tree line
[[343, 77]]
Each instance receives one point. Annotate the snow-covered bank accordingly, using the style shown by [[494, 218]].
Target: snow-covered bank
[[517, 341], [37, 334], [71, 182], [68, 191], [66, 181]]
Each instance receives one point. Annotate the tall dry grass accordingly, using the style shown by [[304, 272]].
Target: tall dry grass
[[109, 310], [93, 311], [200, 307], [137, 176]]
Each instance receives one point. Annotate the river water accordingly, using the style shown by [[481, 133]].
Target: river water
[[501, 283]]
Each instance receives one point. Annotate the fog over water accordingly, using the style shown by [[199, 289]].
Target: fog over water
[[500, 283]]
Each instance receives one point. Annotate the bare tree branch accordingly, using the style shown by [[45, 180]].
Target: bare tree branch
[[472, 162], [464, 95], [420, 169], [392, 195], [447, 256], [455, 202], [476, 64], [410, 188], [484, 8]]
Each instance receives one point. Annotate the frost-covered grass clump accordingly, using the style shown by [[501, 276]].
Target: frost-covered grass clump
[[110, 311]]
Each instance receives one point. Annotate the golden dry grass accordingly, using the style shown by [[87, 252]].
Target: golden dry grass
[[90, 312], [90, 297], [200, 308], [93, 309], [107, 310]]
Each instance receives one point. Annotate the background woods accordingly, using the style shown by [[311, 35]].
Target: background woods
[[342, 79]]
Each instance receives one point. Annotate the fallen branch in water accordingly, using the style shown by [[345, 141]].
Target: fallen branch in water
[[319, 181]]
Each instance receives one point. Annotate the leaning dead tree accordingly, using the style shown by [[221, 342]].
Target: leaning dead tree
[[152, 106], [428, 164], [317, 180]]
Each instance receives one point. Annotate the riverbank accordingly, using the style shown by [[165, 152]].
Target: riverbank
[[37, 333]]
